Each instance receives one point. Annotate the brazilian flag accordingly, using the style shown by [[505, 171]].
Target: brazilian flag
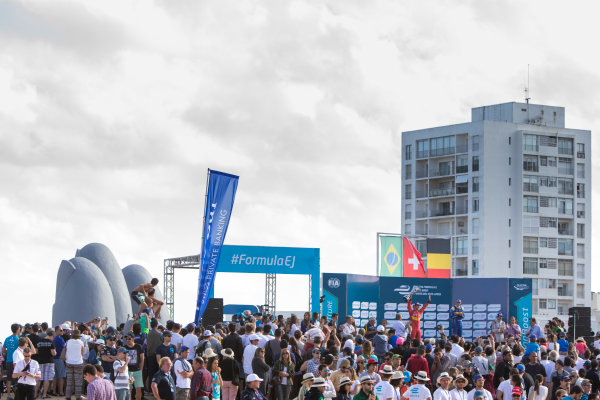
[[390, 263]]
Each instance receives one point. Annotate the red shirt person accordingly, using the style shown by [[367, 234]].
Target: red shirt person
[[415, 317]]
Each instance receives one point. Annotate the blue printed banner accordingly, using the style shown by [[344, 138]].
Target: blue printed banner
[[219, 203]]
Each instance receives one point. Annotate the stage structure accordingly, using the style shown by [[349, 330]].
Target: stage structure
[[270, 261]]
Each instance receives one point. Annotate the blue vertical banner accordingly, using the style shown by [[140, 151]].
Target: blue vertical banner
[[521, 304], [219, 203]]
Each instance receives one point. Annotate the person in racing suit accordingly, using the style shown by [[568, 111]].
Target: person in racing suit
[[415, 317]]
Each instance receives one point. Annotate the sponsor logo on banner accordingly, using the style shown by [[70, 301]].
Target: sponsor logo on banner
[[443, 307], [405, 315], [372, 306], [364, 314], [356, 304], [480, 316], [467, 307], [443, 316], [364, 305], [334, 283], [494, 307], [467, 324], [356, 313], [389, 315], [479, 325], [491, 316], [389, 306], [429, 324], [479, 307], [467, 333], [429, 315], [467, 316], [372, 314], [521, 286]]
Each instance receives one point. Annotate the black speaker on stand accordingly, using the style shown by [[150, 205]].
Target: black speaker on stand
[[580, 323], [213, 313]]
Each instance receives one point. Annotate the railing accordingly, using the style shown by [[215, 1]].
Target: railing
[[444, 151], [462, 169], [441, 192], [442, 213], [441, 172]]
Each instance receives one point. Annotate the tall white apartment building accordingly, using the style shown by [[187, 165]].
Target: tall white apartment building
[[512, 188]]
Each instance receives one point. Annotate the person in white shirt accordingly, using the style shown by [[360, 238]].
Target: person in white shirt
[[74, 364], [249, 353], [191, 342], [442, 392], [459, 392], [479, 387], [384, 390], [504, 391], [399, 326], [538, 391], [418, 391], [548, 365], [325, 372], [456, 349], [176, 338], [348, 327], [183, 373], [27, 371]]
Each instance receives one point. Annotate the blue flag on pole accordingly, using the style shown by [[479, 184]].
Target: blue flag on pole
[[219, 203]]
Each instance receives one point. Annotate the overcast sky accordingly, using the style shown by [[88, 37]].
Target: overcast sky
[[111, 112]]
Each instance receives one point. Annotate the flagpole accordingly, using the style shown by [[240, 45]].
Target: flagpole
[[378, 258]]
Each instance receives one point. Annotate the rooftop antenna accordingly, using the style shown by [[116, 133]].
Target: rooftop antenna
[[527, 98]]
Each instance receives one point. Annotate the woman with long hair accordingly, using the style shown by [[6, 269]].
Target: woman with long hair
[[283, 369], [361, 363], [230, 375], [74, 362], [343, 392], [538, 391], [367, 351], [213, 367], [260, 368]]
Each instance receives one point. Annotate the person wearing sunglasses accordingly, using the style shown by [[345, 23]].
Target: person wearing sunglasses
[[26, 371], [366, 389]]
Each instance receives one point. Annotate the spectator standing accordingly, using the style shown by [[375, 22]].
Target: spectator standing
[[212, 365], [97, 388], [163, 386], [260, 368], [60, 371], [183, 374], [136, 364], [46, 352], [284, 370], [121, 374], [74, 365], [251, 391], [166, 349], [538, 391], [26, 371], [201, 385], [233, 341], [230, 373], [249, 352]]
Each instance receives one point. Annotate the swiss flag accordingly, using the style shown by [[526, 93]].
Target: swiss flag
[[412, 263]]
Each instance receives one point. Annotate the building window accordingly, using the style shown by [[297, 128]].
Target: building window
[[475, 246], [565, 206], [408, 229], [530, 163], [565, 166], [530, 266], [580, 250], [408, 192], [475, 143], [565, 186], [565, 267], [565, 146], [581, 231], [530, 204], [475, 267], [509, 140], [581, 170], [408, 152], [408, 171], [509, 222], [531, 224], [530, 143], [547, 161], [509, 160], [580, 210], [509, 201], [548, 222], [580, 291], [475, 184], [542, 304], [442, 146], [548, 202], [581, 271], [580, 150], [530, 183], [580, 191], [475, 226], [460, 248], [475, 205], [547, 181], [530, 245], [408, 211], [475, 163], [565, 247]]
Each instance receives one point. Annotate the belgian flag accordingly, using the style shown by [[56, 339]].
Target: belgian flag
[[438, 258]]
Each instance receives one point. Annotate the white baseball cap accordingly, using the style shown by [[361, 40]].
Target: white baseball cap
[[65, 326], [252, 378], [254, 336], [380, 328]]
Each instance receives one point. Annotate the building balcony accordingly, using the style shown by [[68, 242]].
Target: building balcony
[[442, 152], [441, 192]]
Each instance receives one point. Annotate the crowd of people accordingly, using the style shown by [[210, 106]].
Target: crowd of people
[[313, 358]]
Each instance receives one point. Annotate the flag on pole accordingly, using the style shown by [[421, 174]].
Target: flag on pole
[[390, 262], [413, 266]]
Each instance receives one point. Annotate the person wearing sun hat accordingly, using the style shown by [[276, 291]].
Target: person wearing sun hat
[[366, 391], [384, 390], [459, 392], [307, 381], [418, 391], [443, 391], [316, 390], [343, 392]]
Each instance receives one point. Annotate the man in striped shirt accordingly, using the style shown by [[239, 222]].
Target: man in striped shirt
[[121, 374]]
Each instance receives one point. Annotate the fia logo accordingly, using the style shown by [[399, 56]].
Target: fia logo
[[334, 283]]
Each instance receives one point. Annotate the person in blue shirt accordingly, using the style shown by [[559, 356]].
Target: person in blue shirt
[[532, 346], [456, 316], [534, 329], [10, 345], [563, 345], [393, 337]]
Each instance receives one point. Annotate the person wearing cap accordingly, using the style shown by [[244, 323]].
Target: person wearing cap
[[166, 349], [479, 387], [516, 393], [136, 363], [456, 316], [183, 374], [443, 392], [418, 391], [480, 362], [384, 390], [380, 342], [312, 365], [121, 374], [468, 374], [366, 391], [230, 373], [415, 317], [249, 352], [592, 376], [208, 341], [527, 379], [417, 362], [498, 328], [371, 371], [251, 391], [305, 384]]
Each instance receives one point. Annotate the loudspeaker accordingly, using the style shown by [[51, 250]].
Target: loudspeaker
[[213, 313], [582, 311]]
